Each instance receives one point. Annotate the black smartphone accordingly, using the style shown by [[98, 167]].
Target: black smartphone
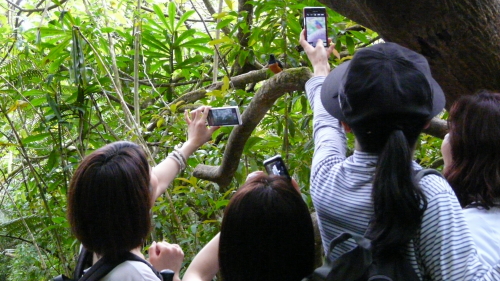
[[276, 166], [224, 116], [315, 25]]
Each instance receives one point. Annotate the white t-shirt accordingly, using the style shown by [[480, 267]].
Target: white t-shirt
[[131, 271], [485, 228]]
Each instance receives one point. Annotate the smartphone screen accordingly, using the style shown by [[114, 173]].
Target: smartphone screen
[[224, 116], [315, 25], [276, 166]]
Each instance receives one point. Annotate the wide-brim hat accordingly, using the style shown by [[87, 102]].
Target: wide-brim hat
[[382, 80]]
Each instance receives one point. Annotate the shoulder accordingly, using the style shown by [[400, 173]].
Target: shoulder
[[130, 271], [435, 185]]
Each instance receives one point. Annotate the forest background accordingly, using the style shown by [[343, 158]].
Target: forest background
[[76, 75]]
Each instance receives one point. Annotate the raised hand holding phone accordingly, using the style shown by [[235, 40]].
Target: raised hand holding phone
[[224, 116], [276, 166], [315, 25]]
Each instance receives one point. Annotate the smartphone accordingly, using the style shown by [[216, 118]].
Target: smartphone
[[276, 166], [315, 25], [224, 116]]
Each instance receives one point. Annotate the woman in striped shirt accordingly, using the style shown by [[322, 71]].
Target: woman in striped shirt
[[386, 96]]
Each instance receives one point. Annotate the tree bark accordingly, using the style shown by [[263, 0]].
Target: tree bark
[[460, 39]]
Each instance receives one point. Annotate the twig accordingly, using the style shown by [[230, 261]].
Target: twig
[[211, 38], [36, 10]]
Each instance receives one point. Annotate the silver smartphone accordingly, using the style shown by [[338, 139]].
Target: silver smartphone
[[276, 166], [224, 116], [315, 25]]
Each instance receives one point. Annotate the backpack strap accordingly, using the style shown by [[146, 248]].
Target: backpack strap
[[424, 172], [132, 257], [84, 262], [102, 267]]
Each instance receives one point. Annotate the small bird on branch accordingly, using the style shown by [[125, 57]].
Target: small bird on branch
[[274, 65]]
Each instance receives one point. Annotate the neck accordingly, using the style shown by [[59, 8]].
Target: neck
[[136, 251]]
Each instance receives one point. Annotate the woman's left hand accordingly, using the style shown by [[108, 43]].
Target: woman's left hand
[[163, 255]]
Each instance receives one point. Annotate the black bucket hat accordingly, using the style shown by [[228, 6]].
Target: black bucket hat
[[382, 80]]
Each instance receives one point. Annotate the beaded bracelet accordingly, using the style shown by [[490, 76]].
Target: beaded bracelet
[[179, 158]]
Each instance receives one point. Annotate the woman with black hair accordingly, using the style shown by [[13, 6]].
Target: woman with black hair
[[471, 154], [266, 234], [386, 96], [110, 199]]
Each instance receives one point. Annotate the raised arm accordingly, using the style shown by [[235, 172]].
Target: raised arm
[[198, 134], [206, 263], [328, 134]]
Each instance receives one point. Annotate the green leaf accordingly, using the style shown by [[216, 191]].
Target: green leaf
[[171, 15], [219, 15], [225, 84], [223, 23], [33, 92], [19, 104], [219, 41], [291, 126], [53, 159], [242, 57], [189, 63], [53, 106], [58, 50], [184, 18], [161, 16], [251, 142], [48, 31], [229, 4], [33, 138], [151, 41], [349, 44], [184, 35], [360, 36]]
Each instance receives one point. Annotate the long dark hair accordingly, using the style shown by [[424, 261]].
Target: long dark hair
[[474, 172], [266, 233], [398, 201], [109, 199]]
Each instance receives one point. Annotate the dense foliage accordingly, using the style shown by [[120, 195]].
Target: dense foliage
[[75, 75]]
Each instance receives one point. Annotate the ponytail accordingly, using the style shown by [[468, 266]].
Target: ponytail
[[397, 199]]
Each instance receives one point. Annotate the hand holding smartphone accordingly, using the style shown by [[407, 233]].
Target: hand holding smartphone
[[276, 166], [315, 25], [224, 116]]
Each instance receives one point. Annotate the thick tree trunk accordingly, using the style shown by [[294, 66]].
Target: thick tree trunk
[[460, 39]]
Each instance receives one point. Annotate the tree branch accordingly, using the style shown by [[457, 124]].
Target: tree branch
[[289, 80], [191, 97], [437, 128]]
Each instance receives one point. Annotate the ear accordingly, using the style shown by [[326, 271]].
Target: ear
[[346, 127], [427, 125]]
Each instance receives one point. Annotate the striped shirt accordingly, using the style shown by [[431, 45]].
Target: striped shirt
[[341, 192]]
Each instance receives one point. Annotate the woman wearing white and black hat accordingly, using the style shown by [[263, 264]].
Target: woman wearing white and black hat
[[386, 96]]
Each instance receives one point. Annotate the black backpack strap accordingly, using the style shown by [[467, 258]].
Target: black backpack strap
[[102, 267], [132, 257], [84, 261], [61, 278], [424, 172], [165, 275]]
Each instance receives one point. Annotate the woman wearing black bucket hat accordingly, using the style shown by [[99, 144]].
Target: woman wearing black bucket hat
[[386, 96]]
